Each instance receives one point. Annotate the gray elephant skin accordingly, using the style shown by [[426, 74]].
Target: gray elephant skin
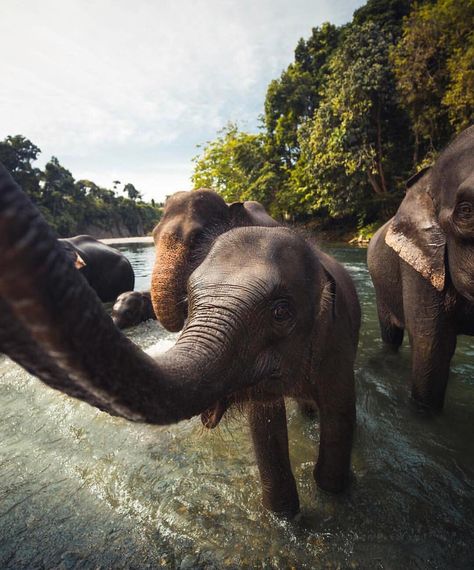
[[422, 265], [191, 222], [265, 313], [105, 268], [132, 308]]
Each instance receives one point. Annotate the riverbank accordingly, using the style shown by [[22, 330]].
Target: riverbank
[[327, 236], [125, 240]]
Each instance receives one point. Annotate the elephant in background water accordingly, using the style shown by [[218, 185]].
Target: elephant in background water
[[266, 310], [106, 269], [132, 308], [422, 265], [191, 222]]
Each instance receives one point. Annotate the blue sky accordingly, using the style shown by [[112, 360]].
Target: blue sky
[[125, 90]]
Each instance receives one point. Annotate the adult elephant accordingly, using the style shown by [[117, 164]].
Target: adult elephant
[[106, 269], [422, 265], [132, 308], [190, 223], [266, 311]]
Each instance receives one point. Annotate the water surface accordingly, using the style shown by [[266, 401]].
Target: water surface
[[81, 489]]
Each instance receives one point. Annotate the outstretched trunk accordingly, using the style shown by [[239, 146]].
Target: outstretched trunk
[[54, 325]]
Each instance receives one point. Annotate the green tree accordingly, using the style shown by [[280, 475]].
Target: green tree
[[293, 98], [433, 65], [350, 146], [387, 14], [236, 166], [17, 153], [132, 192]]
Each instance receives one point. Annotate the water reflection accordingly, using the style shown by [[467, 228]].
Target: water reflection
[[80, 489]]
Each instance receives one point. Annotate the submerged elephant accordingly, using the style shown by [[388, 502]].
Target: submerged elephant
[[132, 308], [422, 265], [191, 222], [269, 315], [106, 269]]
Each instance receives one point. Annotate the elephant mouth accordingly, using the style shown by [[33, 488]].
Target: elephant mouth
[[212, 416]]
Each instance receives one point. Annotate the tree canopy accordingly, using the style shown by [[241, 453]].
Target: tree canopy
[[72, 206], [360, 109]]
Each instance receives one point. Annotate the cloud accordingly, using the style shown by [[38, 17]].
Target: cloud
[[113, 80]]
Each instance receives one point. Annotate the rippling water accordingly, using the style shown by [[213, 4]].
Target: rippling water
[[80, 489]]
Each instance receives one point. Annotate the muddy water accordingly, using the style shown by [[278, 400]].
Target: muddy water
[[80, 489]]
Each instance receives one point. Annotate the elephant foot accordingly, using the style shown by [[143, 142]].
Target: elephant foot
[[331, 481], [424, 406], [282, 506], [392, 336], [390, 348]]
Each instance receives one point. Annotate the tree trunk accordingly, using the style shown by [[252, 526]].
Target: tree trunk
[[380, 151], [374, 183]]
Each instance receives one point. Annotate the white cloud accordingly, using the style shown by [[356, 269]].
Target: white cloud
[[123, 84]]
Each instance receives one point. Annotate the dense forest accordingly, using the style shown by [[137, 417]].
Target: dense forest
[[74, 207], [360, 109]]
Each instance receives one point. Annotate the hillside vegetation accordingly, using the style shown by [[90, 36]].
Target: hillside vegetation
[[360, 109], [72, 206]]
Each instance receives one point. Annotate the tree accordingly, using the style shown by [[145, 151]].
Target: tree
[[236, 166], [17, 153], [293, 98], [387, 14], [132, 192], [349, 146], [434, 68]]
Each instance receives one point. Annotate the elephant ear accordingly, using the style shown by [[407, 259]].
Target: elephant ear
[[415, 234], [239, 215], [328, 295], [250, 213]]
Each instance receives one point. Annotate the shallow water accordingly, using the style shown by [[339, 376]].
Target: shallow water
[[81, 489]]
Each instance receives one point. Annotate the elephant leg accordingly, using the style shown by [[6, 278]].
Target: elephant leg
[[270, 440], [432, 338], [432, 352], [335, 396], [392, 335]]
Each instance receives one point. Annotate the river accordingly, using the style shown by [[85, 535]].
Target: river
[[81, 489]]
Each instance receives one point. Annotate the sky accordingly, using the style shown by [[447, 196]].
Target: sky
[[126, 90]]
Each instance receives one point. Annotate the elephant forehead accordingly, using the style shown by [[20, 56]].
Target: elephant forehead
[[270, 254], [198, 205], [260, 243]]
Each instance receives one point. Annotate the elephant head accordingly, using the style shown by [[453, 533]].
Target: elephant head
[[433, 229], [262, 292], [191, 222]]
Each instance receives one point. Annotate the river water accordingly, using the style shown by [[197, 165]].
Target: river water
[[81, 489]]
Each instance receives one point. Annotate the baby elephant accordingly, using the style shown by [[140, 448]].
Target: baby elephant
[[267, 304], [132, 308]]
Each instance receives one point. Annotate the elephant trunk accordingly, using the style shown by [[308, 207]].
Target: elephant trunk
[[168, 283], [55, 326]]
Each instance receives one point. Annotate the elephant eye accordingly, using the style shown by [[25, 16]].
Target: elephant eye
[[464, 209], [281, 311]]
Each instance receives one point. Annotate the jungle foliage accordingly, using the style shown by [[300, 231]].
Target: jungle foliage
[[360, 109], [72, 206]]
